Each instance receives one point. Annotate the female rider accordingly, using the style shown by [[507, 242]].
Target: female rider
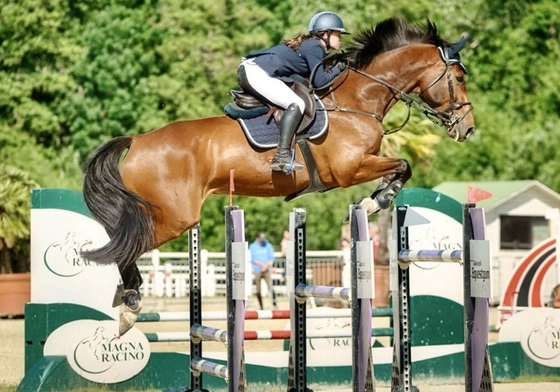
[[267, 75]]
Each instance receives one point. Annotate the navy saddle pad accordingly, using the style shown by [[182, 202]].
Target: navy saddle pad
[[262, 131]]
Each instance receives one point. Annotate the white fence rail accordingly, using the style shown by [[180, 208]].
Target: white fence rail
[[166, 274]]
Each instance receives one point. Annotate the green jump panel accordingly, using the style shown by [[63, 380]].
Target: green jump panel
[[60, 199], [164, 370], [42, 319], [435, 320], [427, 198]]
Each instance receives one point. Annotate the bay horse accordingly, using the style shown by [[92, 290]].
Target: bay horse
[[156, 193]]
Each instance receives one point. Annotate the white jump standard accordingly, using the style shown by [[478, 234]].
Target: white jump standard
[[360, 296], [478, 374], [234, 373]]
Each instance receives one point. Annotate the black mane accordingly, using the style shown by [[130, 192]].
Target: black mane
[[387, 35]]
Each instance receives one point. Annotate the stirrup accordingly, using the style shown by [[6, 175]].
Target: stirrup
[[282, 162], [286, 166]]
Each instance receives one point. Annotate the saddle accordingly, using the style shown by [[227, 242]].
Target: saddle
[[244, 101], [246, 106]]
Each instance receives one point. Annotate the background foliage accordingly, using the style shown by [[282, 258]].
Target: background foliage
[[75, 74]]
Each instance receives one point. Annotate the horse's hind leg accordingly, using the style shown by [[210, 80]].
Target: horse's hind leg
[[128, 297], [128, 294]]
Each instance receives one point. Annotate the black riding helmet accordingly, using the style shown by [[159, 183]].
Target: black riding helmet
[[326, 21]]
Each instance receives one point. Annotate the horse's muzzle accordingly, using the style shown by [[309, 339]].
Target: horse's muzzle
[[469, 132], [460, 133]]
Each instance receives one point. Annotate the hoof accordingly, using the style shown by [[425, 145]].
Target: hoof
[[370, 205], [128, 316], [119, 294]]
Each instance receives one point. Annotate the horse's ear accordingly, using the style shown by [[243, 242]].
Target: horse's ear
[[457, 46]]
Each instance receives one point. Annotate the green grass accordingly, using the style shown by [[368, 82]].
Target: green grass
[[268, 388], [532, 379]]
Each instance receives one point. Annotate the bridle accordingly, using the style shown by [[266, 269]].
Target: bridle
[[447, 118]]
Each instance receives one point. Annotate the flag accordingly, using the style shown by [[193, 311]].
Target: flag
[[474, 194]]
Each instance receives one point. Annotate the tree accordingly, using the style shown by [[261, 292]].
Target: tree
[[74, 74], [15, 187], [112, 95], [38, 47], [512, 60], [49, 167]]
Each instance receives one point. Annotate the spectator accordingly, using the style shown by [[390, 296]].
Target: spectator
[[555, 297], [284, 251], [262, 257], [344, 242], [374, 235], [344, 246], [381, 270], [284, 243]]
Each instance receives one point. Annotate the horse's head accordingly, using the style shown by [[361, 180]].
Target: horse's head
[[439, 81], [443, 88]]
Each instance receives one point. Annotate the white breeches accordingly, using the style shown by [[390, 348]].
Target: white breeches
[[275, 90]]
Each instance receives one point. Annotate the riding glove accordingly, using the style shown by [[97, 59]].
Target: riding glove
[[342, 66]]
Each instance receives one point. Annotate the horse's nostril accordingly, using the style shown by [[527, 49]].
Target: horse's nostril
[[470, 131]]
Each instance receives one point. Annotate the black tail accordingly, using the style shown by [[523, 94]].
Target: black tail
[[127, 218]]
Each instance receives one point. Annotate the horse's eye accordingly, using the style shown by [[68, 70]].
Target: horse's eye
[[460, 79]]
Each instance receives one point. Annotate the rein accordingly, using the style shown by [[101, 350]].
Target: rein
[[445, 119]]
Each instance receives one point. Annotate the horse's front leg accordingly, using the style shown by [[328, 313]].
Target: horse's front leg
[[128, 297], [390, 186], [387, 190]]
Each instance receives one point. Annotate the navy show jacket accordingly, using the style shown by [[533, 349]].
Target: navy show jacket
[[281, 61]]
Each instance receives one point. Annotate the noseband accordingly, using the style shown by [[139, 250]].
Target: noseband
[[447, 118]]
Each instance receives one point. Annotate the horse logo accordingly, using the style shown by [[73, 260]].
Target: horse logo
[[543, 341], [88, 354], [329, 324], [63, 257], [434, 238]]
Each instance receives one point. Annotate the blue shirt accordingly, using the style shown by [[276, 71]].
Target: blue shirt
[[280, 61], [260, 252]]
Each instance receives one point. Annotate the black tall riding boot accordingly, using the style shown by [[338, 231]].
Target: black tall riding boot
[[288, 126]]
